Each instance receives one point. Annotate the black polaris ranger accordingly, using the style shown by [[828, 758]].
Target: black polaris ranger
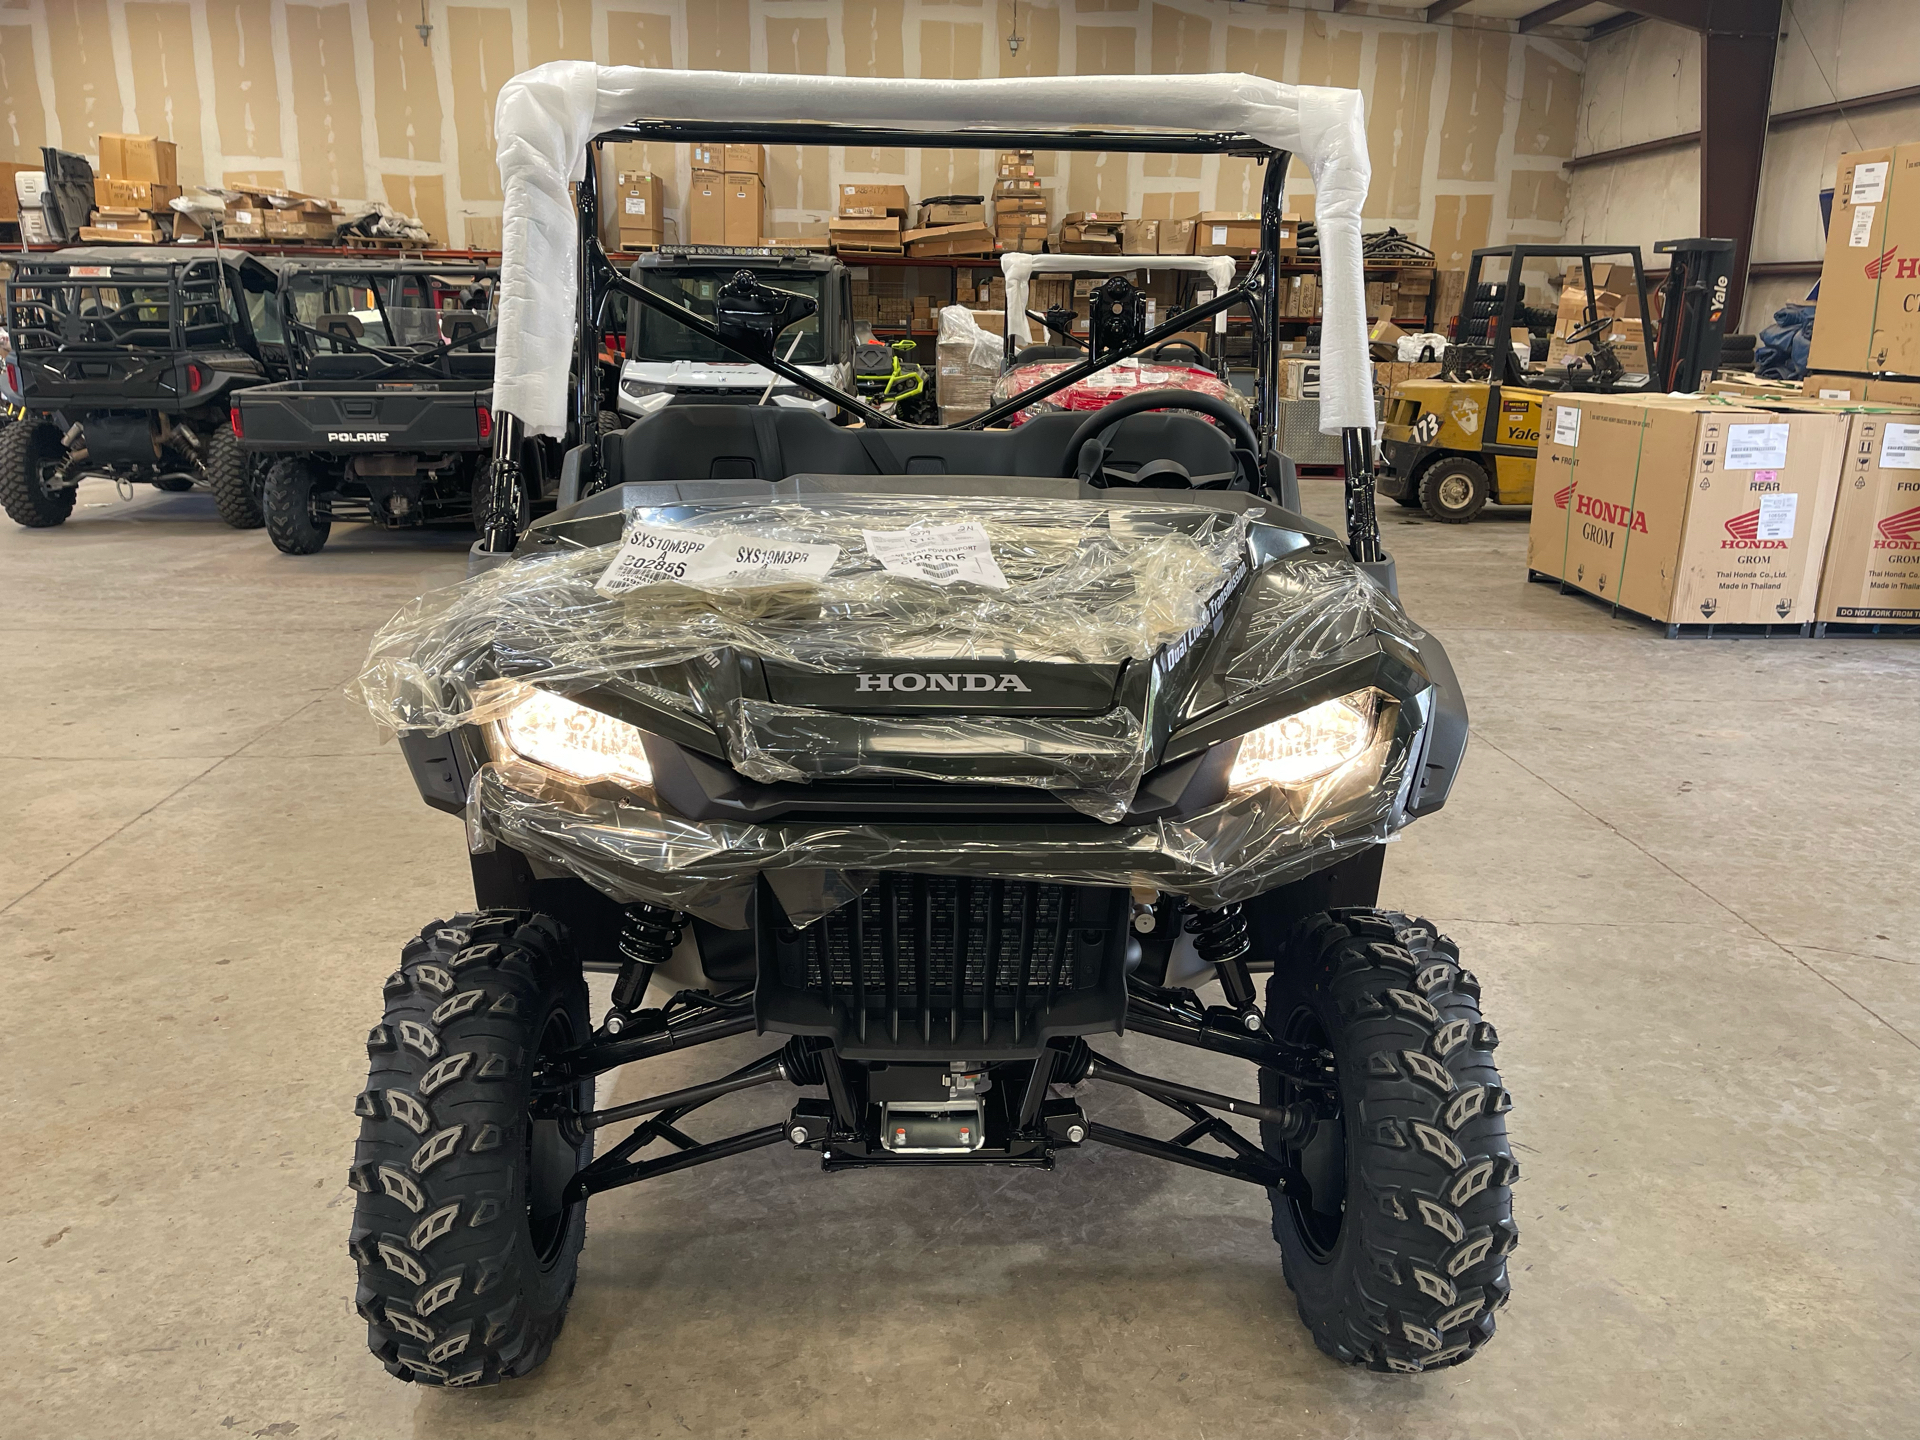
[[128, 359], [386, 419], [935, 756]]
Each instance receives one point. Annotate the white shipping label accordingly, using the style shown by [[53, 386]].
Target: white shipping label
[[1869, 184], [1776, 517], [243, 217], [636, 204], [668, 555], [1219, 235], [1756, 447], [1836, 395], [1900, 448], [938, 554], [1861, 235], [1566, 425]]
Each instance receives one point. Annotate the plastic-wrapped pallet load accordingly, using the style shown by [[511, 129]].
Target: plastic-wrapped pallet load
[[928, 593], [967, 359]]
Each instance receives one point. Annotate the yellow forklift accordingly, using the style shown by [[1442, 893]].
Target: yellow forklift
[[1451, 445]]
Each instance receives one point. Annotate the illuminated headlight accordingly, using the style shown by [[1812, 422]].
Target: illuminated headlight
[[1311, 745], [585, 744]]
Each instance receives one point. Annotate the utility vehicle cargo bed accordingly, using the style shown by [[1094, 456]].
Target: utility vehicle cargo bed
[[398, 415]]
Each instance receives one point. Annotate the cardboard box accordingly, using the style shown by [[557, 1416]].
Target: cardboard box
[[1868, 318], [132, 194], [865, 233], [1873, 552], [1020, 204], [707, 209], [708, 157], [121, 224], [968, 213], [885, 199], [937, 240], [1015, 186], [1300, 379], [636, 205], [1075, 240], [1225, 232], [1176, 237], [1019, 170], [1140, 237], [1687, 509], [744, 160], [1389, 374], [1832, 387], [139, 157], [746, 207]]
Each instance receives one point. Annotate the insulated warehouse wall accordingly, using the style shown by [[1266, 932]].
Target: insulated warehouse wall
[[1467, 125], [1643, 84]]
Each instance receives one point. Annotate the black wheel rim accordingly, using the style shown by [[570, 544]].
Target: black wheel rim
[[1321, 1159], [553, 1153]]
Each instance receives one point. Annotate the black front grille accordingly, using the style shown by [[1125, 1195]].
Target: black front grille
[[932, 966]]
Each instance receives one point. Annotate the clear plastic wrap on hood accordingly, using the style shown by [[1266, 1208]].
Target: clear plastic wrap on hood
[[1056, 583], [633, 852]]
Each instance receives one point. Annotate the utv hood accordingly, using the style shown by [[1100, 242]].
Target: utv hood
[[1100, 656]]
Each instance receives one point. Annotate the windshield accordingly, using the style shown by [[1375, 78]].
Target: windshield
[[395, 311], [653, 336]]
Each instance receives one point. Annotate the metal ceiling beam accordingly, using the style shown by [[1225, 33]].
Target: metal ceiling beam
[[1551, 12], [1440, 7], [1614, 23]]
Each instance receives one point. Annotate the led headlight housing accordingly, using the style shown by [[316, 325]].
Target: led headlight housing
[[1317, 744], [574, 741]]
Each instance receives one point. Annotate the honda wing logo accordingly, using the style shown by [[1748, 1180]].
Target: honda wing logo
[[1877, 266], [1900, 532], [1743, 533], [1563, 498], [911, 682]]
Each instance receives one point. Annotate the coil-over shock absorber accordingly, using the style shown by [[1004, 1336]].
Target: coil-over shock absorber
[[648, 935], [1220, 938]]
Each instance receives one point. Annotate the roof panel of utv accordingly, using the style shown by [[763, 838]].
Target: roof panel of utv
[[548, 116]]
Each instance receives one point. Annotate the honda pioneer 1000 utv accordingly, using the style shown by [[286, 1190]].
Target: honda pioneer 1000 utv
[[934, 756], [127, 361], [386, 418]]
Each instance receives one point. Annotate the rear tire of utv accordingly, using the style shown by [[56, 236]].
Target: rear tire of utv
[[467, 1253], [289, 507], [29, 453], [1397, 1258], [1453, 490], [234, 477]]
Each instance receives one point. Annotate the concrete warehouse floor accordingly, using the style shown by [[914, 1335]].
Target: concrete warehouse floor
[[1683, 870]]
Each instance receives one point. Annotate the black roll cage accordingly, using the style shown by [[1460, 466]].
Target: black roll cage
[[1259, 292], [399, 360]]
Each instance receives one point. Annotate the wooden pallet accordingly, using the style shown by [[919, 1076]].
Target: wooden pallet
[[1680, 629], [1844, 629]]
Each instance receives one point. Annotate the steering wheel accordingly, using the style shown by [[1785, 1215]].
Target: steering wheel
[[1199, 355], [1592, 330], [1246, 445]]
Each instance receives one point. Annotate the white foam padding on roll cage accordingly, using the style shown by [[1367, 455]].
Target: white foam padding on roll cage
[[1021, 268], [546, 117]]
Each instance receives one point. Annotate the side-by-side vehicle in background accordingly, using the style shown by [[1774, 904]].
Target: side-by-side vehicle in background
[[936, 757], [125, 361]]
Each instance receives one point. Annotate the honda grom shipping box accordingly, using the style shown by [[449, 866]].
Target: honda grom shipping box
[[1868, 319], [1873, 555], [1686, 509]]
